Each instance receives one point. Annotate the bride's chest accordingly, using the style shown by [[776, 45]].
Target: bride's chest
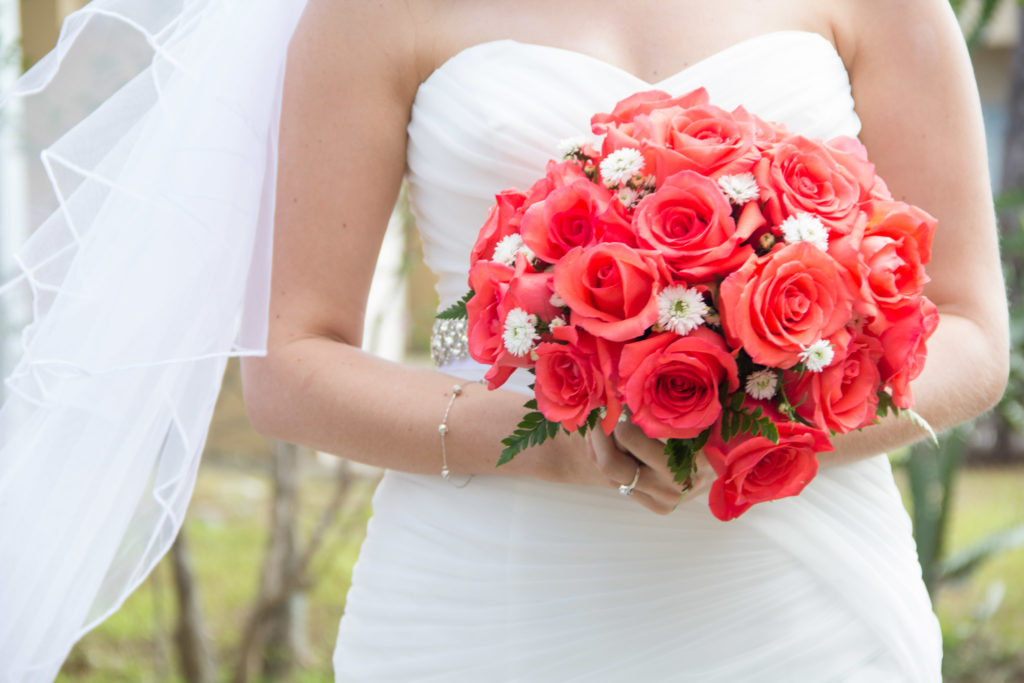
[[506, 104]]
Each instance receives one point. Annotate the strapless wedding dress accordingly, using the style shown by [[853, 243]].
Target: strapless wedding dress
[[513, 579]]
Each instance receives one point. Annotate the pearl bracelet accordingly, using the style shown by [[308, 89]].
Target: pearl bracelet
[[442, 429]]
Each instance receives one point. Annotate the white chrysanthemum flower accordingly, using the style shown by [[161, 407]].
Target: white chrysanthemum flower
[[557, 301], [817, 356], [572, 146], [505, 250], [681, 309], [803, 227], [712, 318], [621, 165], [761, 385], [740, 189], [520, 332], [628, 196], [558, 321]]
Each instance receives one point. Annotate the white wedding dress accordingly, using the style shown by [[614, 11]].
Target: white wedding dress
[[513, 579]]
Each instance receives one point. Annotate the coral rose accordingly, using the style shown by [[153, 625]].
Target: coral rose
[[896, 246], [689, 221], [502, 221], [844, 396], [572, 379], [642, 104], [490, 283], [777, 305], [799, 175], [705, 139], [612, 289], [576, 215], [752, 469], [671, 383], [903, 332]]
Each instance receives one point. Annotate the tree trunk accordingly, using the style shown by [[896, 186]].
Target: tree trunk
[[267, 644], [194, 656], [279, 653]]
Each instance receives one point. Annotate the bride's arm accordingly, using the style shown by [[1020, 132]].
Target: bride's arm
[[352, 74], [918, 103]]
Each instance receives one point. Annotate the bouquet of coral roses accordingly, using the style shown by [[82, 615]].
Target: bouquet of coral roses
[[722, 282]]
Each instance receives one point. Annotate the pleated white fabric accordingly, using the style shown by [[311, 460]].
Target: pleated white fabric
[[511, 579]]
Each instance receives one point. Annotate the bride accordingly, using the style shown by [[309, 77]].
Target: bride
[[539, 570]]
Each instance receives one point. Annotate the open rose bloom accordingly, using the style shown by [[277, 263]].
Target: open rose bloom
[[725, 284]]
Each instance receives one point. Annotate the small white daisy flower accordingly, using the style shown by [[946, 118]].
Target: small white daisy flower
[[817, 356], [681, 309], [505, 251], [557, 301], [520, 332], [628, 196], [803, 227], [712, 318], [621, 165], [740, 189], [761, 385], [571, 146], [558, 321]]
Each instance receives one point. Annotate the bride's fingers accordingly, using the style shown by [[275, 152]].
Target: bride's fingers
[[653, 489], [649, 451], [614, 463], [651, 492]]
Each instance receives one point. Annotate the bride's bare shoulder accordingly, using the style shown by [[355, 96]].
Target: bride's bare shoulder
[[872, 33], [360, 44]]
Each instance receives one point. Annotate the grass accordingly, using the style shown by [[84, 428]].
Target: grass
[[981, 646], [226, 532]]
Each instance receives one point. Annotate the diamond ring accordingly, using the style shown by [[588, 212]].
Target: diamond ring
[[627, 489]]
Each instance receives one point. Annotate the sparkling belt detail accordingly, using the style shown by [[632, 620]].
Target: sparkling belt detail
[[448, 341]]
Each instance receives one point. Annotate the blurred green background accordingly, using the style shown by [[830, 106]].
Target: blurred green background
[[255, 586]]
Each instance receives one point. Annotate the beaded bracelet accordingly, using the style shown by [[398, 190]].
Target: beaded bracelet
[[442, 429]]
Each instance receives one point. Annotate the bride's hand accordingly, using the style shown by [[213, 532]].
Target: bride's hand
[[629, 453]]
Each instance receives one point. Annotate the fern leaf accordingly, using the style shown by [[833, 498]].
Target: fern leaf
[[457, 311]]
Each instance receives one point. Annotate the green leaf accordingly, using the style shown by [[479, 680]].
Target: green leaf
[[736, 402], [770, 431], [885, 405], [532, 430], [962, 563], [922, 423], [457, 311], [702, 439], [531, 404], [682, 455]]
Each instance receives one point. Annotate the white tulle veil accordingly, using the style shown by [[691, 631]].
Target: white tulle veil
[[142, 267]]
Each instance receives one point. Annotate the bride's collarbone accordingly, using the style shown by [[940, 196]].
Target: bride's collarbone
[[647, 45]]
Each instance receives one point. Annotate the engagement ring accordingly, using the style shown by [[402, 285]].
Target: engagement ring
[[627, 489]]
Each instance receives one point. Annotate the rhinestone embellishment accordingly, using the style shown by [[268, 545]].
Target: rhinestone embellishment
[[448, 341]]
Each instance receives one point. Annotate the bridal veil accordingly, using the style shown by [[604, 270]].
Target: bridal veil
[[140, 270]]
